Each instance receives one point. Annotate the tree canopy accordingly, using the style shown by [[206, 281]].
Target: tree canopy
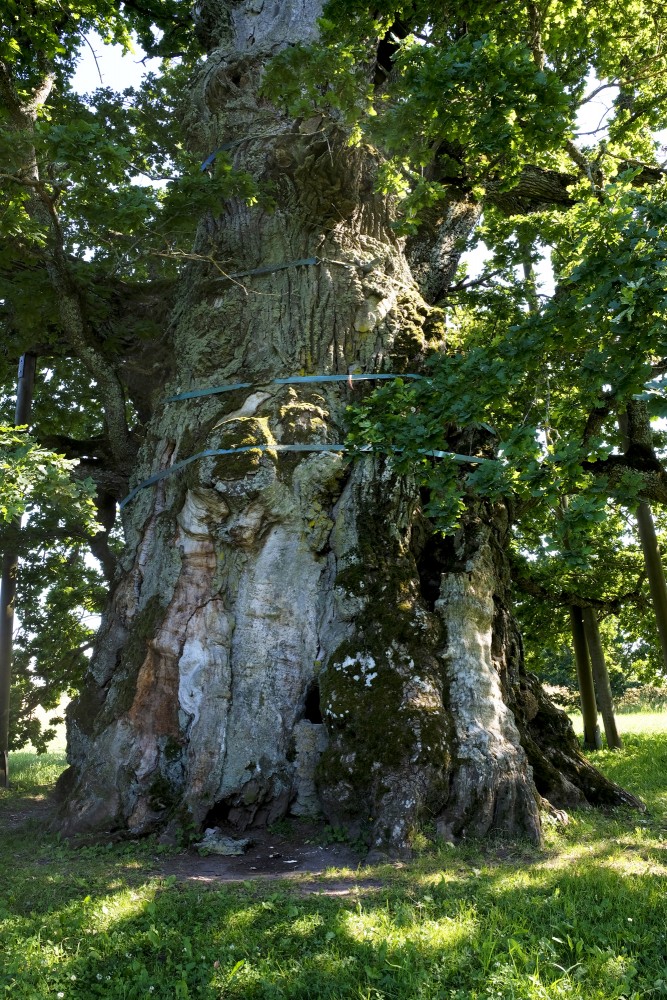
[[472, 111]]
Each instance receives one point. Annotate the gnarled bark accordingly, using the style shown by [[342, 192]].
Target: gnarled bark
[[284, 633]]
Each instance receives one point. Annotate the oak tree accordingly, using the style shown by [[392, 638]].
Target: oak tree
[[291, 626]]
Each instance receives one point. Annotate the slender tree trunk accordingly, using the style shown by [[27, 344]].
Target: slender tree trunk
[[601, 678], [589, 711], [635, 427], [592, 739], [10, 561], [654, 571], [286, 634]]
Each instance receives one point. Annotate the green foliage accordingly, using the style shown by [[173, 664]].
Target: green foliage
[[607, 569], [34, 478], [58, 592], [453, 101], [61, 594], [468, 99], [612, 306], [535, 377], [466, 103], [643, 699], [119, 190], [476, 106], [52, 31], [42, 33]]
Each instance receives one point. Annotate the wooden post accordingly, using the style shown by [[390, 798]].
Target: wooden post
[[589, 710], [10, 559], [601, 678]]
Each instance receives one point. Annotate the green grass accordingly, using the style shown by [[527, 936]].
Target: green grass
[[634, 722], [583, 918], [32, 774]]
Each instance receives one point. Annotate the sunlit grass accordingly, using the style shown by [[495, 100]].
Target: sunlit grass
[[584, 917], [632, 722], [31, 773]]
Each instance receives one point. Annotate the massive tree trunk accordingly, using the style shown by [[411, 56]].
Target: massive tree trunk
[[286, 633]]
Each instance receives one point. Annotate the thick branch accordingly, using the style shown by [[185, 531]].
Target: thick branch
[[94, 448], [106, 479], [99, 543], [73, 322], [597, 417], [535, 190], [535, 36], [638, 429], [434, 252], [654, 478], [568, 598], [121, 445], [640, 457], [591, 172], [22, 114]]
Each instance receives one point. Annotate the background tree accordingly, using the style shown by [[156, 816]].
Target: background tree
[[57, 587], [347, 179]]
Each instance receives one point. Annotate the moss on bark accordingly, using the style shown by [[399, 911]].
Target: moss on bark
[[249, 570]]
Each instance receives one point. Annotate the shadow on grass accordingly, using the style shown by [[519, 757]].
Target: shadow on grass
[[582, 933], [501, 921]]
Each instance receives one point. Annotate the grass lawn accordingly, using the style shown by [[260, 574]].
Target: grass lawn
[[584, 917]]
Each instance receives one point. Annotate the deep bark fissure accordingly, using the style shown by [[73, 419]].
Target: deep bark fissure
[[312, 710], [433, 555]]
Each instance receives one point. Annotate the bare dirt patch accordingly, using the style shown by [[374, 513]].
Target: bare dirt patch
[[297, 851], [300, 853], [18, 813]]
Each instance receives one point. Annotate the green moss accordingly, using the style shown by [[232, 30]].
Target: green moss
[[408, 347], [212, 433], [382, 725], [230, 467], [353, 579], [172, 749], [303, 422], [193, 440], [240, 433], [435, 329], [379, 728], [161, 795], [133, 654], [84, 710]]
